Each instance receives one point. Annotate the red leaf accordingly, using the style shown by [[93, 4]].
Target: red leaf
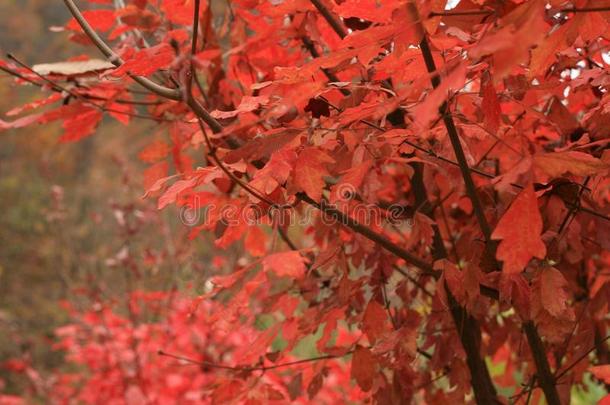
[[490, 105], [350, 182], [577, 163], [552, 291], [258, 347], [155, 173], [288, 264], [364, 367], [81, 125], [425, 112], [255, 241], [371, 10], [178, 11], [602, 372], [172, 192], [147, 61], [310, 170], [247, 104], [261, 147], [374, 320], [519, 229], [100, 20], [154, 151]]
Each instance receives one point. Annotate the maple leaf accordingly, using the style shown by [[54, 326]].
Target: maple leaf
[[172, 192], [247, 104], [364, 367], [374, 320], [81, 125], [261, 146], [370, 10], [552, 291], [425, 112], [351, 180], [510, 44], [147, 61], [255, 241], [519, 229], [100, 20], [154, 151], [178, 11], [290, 264], [310, 170], [601, 372], [490, 105], [577, 163], [154, 173]]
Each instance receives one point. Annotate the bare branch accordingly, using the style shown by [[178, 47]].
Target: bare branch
[[333, 20]]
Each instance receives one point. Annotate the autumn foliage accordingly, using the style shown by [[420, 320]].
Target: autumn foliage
[[420, 189]]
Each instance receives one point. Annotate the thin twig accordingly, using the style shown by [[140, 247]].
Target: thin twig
[[173, 94], [251, 368], [60, 89], [457, 13], [579, 359]]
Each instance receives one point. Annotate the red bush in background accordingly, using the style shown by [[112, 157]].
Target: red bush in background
[[127, 359]]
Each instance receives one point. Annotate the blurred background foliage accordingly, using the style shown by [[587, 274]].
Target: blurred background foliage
[[71, 215]]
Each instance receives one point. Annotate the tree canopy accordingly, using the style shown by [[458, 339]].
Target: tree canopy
[[416, 196]]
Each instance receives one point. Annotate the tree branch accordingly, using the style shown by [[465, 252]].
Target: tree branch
[[250, 368], [173, 94], [456, 143], [470, 333], [56, 87], [369, 234], [467, 326], [333, 20], [544, 374], [457, 13], [547, 383]]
